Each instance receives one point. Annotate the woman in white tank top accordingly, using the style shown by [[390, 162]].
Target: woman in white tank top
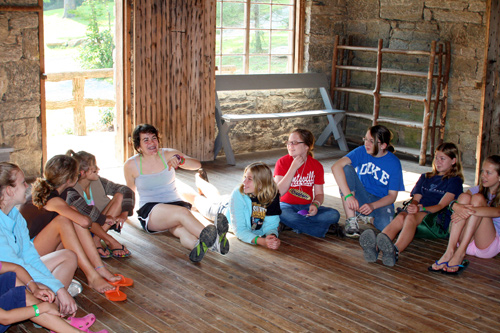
[[151, 173]]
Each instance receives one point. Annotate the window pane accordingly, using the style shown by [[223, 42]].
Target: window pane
[[281, 42], [281, 17], [232, 65], [285, 2], [259, 41], [217, 41], [217, 13], [233, 15], [260, 1], [233, 41], [217, 64], [281, 64], [260, 16], [258, 65]]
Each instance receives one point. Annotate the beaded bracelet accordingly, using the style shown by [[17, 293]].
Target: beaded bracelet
[[450, 206], [28, 285], [180, 158], [347, 196]]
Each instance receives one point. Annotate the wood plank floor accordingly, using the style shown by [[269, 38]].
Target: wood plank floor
[[309, 284]]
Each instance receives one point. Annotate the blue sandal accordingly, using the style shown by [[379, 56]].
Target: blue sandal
[[431, 269], [461, 268]]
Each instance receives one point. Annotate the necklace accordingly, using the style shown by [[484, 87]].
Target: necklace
[[298, 192]]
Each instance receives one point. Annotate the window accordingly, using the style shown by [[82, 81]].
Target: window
[[255, 36]]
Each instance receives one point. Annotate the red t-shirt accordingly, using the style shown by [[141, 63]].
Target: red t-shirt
[[301, 189]]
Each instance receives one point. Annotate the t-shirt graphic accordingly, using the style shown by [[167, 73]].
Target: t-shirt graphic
[[258, 215]]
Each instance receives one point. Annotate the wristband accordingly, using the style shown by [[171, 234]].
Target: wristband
[[255, 240], [422, 209], [181, 159], [28, 285], [37, 310], [315, 204], [450, 206], [347, 196]]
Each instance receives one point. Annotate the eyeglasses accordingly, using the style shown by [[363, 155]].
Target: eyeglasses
[[370, 141], [293, 143]]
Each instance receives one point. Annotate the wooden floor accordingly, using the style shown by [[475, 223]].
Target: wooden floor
[[309, 284]]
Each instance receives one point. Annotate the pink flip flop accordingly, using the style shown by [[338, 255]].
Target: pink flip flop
[[83, 323], [123, 282]]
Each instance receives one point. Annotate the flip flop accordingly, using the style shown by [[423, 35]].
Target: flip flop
[[461, 268], [103, 256], [124, 282], [82, 323], [430, 269], [115, 295], [119, 249]]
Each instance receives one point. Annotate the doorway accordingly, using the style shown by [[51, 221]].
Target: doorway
[[79, 91]]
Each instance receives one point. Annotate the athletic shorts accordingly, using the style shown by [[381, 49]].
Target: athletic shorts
[[486, 253], [11, 297], [145, 211]]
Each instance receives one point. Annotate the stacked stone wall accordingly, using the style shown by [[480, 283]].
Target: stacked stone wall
[[20, 89], [408, 25], [266, 134]]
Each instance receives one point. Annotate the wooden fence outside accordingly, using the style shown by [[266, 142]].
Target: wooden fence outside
[[79, 102]]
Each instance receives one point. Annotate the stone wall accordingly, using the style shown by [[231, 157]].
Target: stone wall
[[409, 25], [20, 126]]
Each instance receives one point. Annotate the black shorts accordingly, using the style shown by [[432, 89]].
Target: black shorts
[[144, 212]]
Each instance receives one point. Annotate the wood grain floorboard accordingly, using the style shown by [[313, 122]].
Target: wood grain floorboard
[[309, 285]]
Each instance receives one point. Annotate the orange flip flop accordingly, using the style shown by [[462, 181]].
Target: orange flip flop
[[115, 295], [123, 282]]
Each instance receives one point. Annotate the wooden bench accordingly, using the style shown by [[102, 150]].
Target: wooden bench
[[271, 82]]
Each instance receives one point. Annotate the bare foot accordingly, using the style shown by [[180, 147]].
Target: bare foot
[[103, 272], [453, 264], [117, 249], [442, 262], [99, 284]]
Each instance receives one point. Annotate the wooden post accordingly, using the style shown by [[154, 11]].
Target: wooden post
[[80, 126], [376, 91], [437, 98], [427, 106], [333, 83]]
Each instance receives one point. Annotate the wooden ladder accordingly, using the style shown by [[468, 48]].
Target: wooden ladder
[[434, 100]]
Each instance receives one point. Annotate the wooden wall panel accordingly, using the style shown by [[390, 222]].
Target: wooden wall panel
[[174, 72], [489, 131]]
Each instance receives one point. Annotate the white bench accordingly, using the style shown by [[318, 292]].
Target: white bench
[[271, 82]]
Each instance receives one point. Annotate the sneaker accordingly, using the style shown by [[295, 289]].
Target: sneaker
[[207, 238], [364, 219], [336, 230], [221, 245], [368, 241], [351, 228], [390, 252], [74, 288]]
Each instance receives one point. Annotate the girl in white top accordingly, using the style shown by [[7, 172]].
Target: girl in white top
[[152, 174]]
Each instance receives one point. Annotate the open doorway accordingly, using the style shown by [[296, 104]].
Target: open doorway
[[80, 88]]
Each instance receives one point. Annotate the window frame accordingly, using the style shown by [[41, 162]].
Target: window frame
[[297, 47]]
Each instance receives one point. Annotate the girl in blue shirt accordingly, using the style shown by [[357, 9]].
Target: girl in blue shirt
[[432, 193], [369, 178]]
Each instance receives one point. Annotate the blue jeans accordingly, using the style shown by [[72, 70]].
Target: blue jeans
[[381, 216], [316, 225]]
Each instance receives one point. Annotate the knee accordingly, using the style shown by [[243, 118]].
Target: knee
[[69, 257], [62, 221], [464, 198], [117, 197], [478, 200]]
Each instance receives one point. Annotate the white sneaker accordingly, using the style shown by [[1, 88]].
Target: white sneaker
[[351, 228], [365, 219], [74, 288]]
